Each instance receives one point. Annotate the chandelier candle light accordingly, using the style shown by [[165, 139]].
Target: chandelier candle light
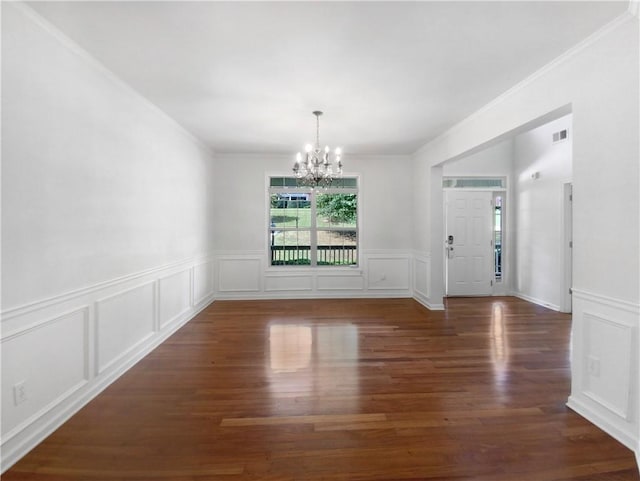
[[316, 169]]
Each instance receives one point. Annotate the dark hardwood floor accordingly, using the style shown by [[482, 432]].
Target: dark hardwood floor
[[315, 390]]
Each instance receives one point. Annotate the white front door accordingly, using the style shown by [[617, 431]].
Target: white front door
[[469, 242]]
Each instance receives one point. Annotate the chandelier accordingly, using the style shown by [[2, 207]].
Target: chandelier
[[316, 169]]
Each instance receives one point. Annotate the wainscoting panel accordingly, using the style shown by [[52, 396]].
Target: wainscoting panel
[[608, 383], [247, 275], [123, 321], [284, 282], [85, 340], [605, 364], [202, 282], [420, 276], [239, 274], [340, 282], [174, 297], [32, 385], [388, 273]]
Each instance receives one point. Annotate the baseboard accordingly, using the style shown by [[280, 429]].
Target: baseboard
[[594, 417], [337, 294], [425, 302], [534, 300]]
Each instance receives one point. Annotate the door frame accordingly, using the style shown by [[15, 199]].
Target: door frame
[[567, 247], [497, 290]]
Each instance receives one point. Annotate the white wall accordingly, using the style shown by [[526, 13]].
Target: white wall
[[385, 204], [97, 183], [598, 82], [107, 228], [541, 168], [494, 161]]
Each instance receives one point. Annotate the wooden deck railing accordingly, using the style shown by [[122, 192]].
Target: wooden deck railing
[[301, 255]]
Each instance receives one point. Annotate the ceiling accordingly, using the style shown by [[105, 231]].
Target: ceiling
[[390, 76]]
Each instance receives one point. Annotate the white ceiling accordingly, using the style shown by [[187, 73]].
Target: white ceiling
[[390, 76]]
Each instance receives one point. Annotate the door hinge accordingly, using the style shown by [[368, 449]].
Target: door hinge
[[570, 244], [491, 283], [570, 291], [570, 197]]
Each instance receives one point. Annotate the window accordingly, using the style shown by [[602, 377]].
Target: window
[[313, 227], [474, 183], [497, 237]]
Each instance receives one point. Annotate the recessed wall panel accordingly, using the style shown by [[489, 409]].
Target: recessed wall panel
[[202, 282], [123, 321], [420, 276], [59, 368], [339, 283], [239, 275], [388, 273], [607, 362], [288, 283], [173, 296]]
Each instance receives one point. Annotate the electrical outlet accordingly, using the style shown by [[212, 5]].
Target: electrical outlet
[[594, 366], [19, 393]]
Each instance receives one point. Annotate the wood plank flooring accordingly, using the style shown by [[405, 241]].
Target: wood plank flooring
[[334, 390]]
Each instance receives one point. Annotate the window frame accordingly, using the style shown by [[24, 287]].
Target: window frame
[[313, 228]]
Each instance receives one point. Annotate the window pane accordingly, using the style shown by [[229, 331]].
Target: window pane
[[350, 182], [336, 210], [276, 181], [473, 182], [345, 183], [290, 211], [290, 247], [337, 248], [498, 239]]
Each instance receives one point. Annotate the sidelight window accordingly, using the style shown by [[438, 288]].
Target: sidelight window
[[497, 236]]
